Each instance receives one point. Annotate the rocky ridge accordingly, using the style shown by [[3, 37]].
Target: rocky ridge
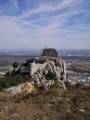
[[54, 74], [46, 71]]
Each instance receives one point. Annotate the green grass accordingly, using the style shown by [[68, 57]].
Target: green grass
[[81, 66]]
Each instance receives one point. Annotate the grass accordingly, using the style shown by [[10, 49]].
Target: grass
[[55, 104]]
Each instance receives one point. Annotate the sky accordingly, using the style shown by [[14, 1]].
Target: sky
[[33, 24]]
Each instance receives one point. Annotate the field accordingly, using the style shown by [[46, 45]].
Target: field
[[77, 63], [79, 66]]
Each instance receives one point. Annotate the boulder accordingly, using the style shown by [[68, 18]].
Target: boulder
[[26, 87]]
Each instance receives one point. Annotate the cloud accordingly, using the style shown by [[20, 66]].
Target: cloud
[[49, 7], [10, 25], [62, 15], [60, 24], [15, 3]]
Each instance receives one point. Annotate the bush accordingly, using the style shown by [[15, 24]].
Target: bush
[[15, 64], [7, 82], [56, 85], [67, 84], [50, 75], [61, 78]]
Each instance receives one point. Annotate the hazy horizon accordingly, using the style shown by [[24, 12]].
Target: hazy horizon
[[43, 47]]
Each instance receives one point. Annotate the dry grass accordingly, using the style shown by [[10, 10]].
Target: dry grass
[[52, 105]]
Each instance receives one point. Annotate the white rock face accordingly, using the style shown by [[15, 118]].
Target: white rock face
[[49, 63], [14, 90], [64, 70], [55, 66], [44, 71], [24, 87]]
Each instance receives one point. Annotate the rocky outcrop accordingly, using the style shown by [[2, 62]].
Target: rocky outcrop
[[55, 70], [45, 71], [26, 87]]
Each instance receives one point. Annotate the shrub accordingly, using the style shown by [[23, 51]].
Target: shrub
[[56, 85], [50, 75], [7, 82], [67, 84], [15, 64]]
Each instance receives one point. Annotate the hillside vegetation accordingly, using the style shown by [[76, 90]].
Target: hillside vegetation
[[6, 82], [55, 104]]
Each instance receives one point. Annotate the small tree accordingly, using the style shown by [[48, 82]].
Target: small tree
[[15, 65]]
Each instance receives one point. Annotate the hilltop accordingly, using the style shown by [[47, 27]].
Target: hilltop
[[56, 104]]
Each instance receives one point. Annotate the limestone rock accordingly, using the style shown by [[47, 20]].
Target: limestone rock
[[25, 87], [49, 63], [56, 66]]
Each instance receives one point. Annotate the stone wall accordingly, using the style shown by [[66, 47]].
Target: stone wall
[[32, 68]]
